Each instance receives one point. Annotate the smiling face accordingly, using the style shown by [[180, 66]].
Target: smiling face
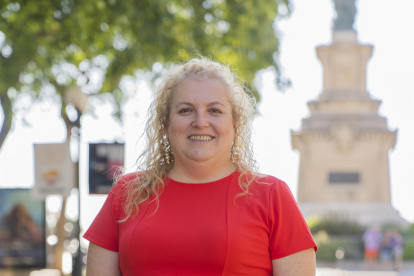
[[200, 125]]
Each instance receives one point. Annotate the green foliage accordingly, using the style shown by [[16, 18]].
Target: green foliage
[[352, 247], [336, 225], [409, 250], [333, 232], [136, 34], [326, 251], [393, 226], [119, 37], [410, 229]]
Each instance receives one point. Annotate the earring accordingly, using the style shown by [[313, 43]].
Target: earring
[[167, 151], [235, 153]]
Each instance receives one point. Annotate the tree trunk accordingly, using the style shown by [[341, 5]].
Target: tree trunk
[[8, 117], [59, 248]]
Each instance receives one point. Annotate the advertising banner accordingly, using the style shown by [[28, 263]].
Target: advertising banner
[[105, 160], [22, 230], [54, 170]]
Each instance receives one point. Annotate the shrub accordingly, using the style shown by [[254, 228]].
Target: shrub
[[409, 250], [328, 246], [326, 251], [411, 229], [336, 225]]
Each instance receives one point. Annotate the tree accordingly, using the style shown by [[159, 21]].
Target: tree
[[54, 42]]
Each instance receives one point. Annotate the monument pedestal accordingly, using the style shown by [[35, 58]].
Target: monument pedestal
[[344, 143]]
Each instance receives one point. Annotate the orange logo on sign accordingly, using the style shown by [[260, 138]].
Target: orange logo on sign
[[50, 177]]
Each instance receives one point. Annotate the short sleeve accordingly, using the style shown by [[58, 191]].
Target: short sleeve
[[104, 229], [289, 231]]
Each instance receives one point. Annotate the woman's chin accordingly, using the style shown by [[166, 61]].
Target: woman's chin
[[200, 158]]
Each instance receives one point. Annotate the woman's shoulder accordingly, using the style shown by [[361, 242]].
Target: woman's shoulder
[[263, 183], [265, 192], [122, 184], [268, 182], [124, 180], [268, 179], [271, 186], [119, 192]]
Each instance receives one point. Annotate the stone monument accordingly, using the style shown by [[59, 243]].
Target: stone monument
[[344, 143], [345, 11]]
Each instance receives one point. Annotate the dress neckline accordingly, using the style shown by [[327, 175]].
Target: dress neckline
[[216, 182]]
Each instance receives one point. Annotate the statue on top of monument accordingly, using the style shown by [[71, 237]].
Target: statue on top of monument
[[345, 10]]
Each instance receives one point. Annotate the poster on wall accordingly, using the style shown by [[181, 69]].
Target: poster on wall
[[22, 230], [105, 160], [54, 170]]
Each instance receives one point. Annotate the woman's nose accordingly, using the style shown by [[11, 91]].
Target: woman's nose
[[200, 121]]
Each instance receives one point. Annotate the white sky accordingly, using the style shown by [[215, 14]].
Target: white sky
[[386, 25]]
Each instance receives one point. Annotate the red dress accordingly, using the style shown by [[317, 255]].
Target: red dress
[[200, 229]]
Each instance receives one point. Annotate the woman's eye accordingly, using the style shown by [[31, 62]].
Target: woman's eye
[[215, 110], [184, 110]]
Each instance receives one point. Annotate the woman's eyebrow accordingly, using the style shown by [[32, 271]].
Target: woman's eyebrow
[[214, 103], [184, 103], [210, 104]]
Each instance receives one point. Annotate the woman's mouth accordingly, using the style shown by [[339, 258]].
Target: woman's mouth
[[200, 137]]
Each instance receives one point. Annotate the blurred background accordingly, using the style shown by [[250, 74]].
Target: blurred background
[[335, 116]]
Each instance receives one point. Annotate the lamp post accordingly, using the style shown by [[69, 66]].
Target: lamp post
[[75, 97]]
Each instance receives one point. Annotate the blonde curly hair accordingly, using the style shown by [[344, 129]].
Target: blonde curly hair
[[152, 167]]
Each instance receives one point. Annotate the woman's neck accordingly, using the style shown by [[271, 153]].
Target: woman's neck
[[200, 173]]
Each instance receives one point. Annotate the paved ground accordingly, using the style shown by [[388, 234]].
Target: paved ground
[[406, 272], [356, 268], [340, 272]]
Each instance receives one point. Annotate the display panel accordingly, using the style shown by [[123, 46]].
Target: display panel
[[22, 230], [105, 160]]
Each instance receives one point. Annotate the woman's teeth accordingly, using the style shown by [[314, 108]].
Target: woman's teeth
[[200, 137]]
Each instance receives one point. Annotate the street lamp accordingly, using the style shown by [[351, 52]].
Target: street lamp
[[75, 97]]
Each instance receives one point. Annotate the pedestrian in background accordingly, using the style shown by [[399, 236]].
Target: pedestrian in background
[[386, 252], [397, 243], [372, 243]]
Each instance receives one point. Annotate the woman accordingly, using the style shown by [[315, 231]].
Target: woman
[[198, 206]]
